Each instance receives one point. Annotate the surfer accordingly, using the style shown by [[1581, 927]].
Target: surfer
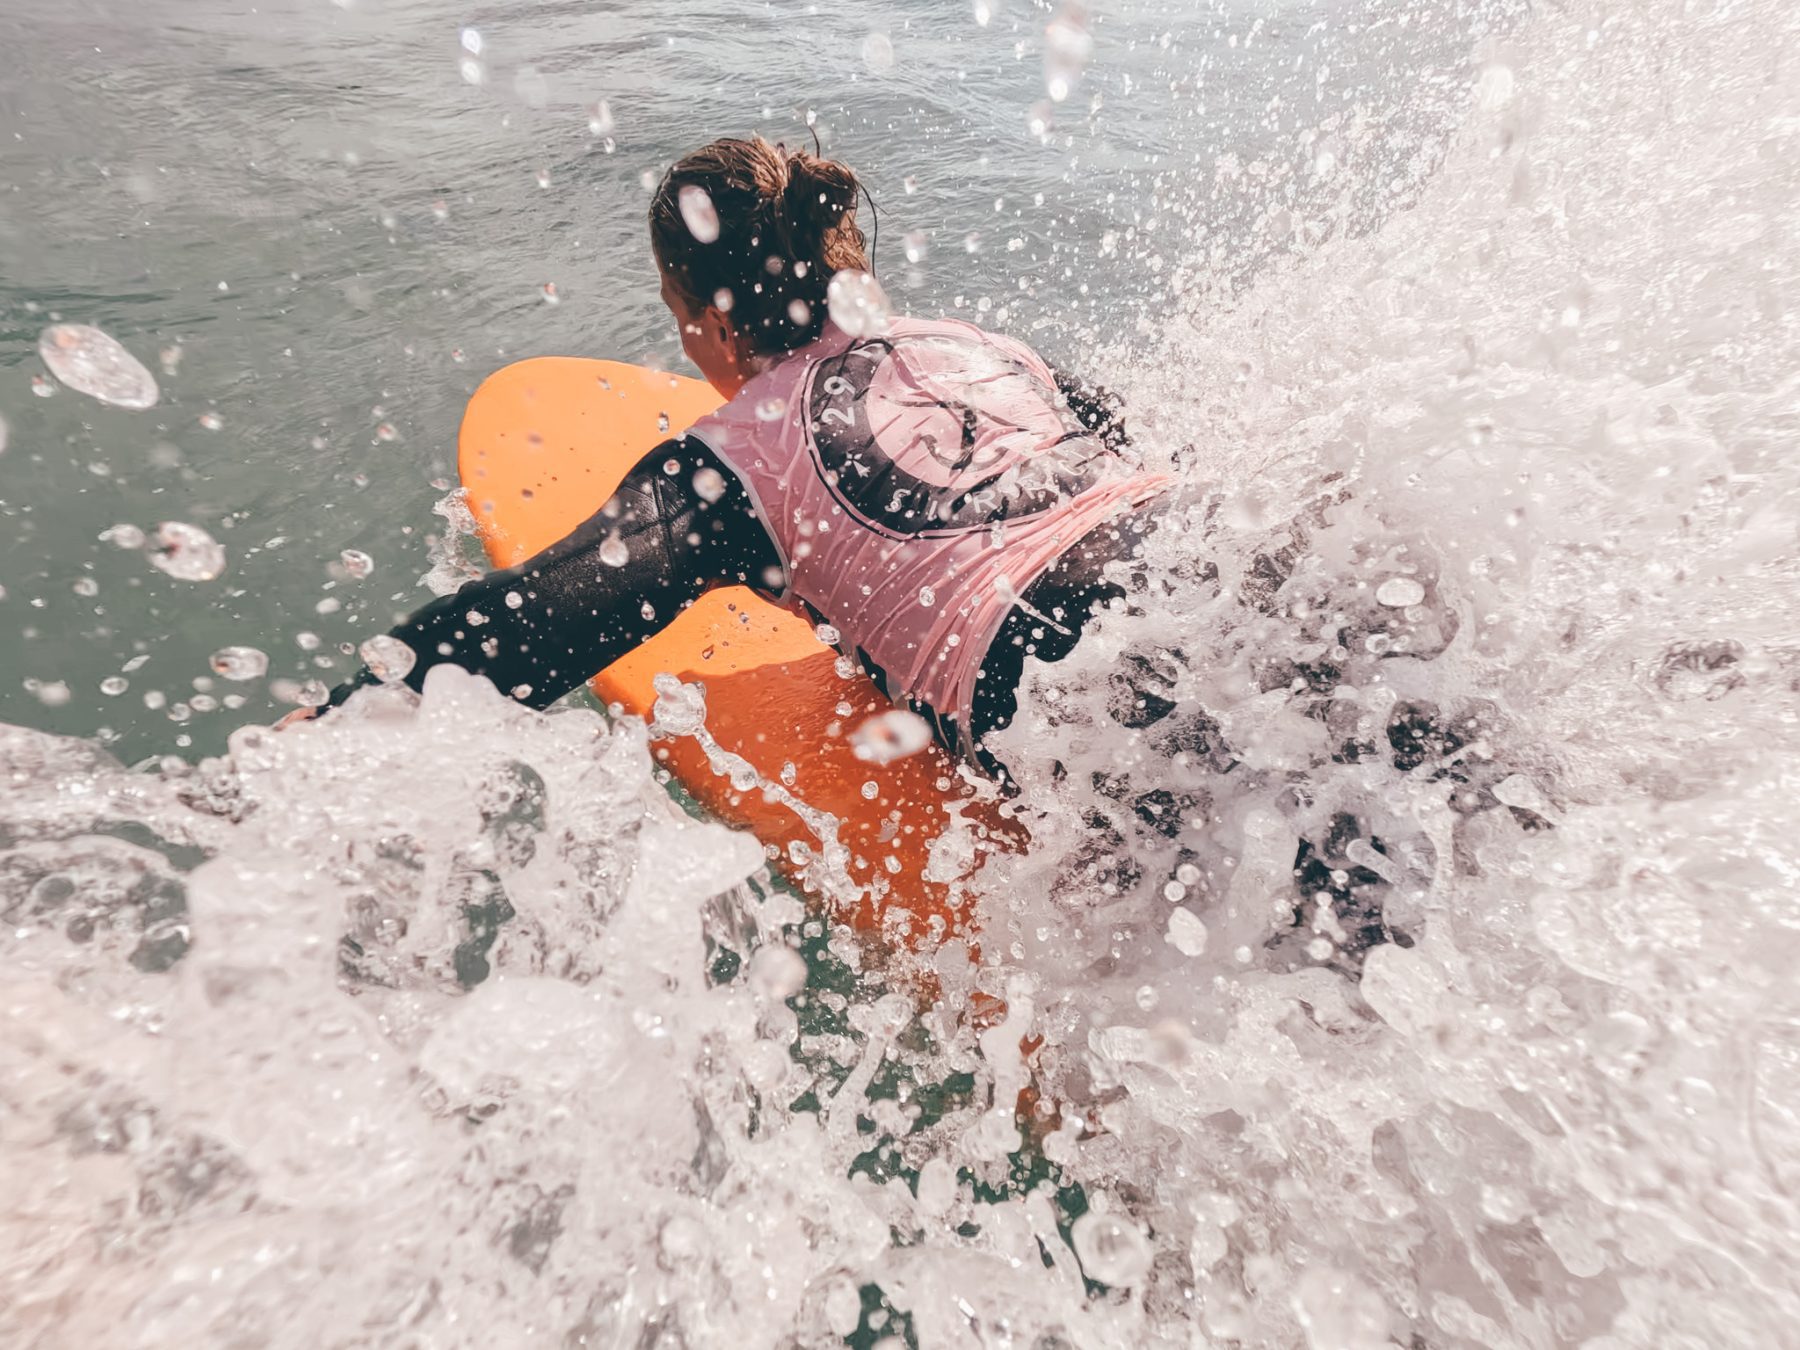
[[935, 494]]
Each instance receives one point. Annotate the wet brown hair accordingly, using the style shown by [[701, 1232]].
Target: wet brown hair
[[787, 223]]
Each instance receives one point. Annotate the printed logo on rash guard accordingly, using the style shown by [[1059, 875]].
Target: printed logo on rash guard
[[929, 436]]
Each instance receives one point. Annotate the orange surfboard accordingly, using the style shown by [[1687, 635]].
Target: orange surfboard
[[543, 444]]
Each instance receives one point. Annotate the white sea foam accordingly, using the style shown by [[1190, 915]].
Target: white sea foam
[[432, 1022]]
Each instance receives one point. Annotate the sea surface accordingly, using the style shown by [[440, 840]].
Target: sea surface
[[1419, 976]]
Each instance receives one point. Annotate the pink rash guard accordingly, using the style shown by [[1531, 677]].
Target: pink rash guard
[[915, 484]]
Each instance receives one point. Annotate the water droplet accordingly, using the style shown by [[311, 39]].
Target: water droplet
[[51, 693], [114, 685], [42, 387], [86, 586], [878, 52], [387, 432], [972, 242], [170, 359], [916, 244], [891, 735], [239, 663], [858, 304], [471, 41], [827, 634], [777, 972], [771, 410], [211, 421], [600, 119], [1186, 933], [871, 790], [698, 213], [533, 90], [927, 596], [799, 312], [613, 551], [1399, 592], [356, 563], [543, 178], [709, 484], [550, 294], [1067, 46], [388, 658], [91, 363], [123, 536], [662, 421], [984, 12], [187, 552], [909, 184], [1113, 1250]]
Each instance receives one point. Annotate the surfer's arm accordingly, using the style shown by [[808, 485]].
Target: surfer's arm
[[541, 628], [1097, 408]]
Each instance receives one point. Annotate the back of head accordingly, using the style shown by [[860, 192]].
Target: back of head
[[758, 230]]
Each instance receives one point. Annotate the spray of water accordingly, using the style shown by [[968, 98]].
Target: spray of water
[[1400, 957]]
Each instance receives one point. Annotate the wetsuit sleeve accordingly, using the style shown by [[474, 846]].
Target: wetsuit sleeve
[[1097, 408], [541, 628]]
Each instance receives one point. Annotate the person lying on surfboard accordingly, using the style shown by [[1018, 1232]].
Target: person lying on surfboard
[[936, 493]]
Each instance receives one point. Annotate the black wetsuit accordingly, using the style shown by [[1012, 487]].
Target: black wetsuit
[[544, 627]]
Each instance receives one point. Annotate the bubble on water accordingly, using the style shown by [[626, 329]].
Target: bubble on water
[[871, 790], [878, 52], [42, 387], [211, 421], [613, 551], [698, 213], [771, 409], [187, 552], [356, 563], [858, 305], [927, 596], [388, 658], [889, 736], [1399, 593], [799, 312], [86, 587], [709, 484], [114, 685], [1112, 1250], [92, 363], [1067, 46], [240, 663]]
